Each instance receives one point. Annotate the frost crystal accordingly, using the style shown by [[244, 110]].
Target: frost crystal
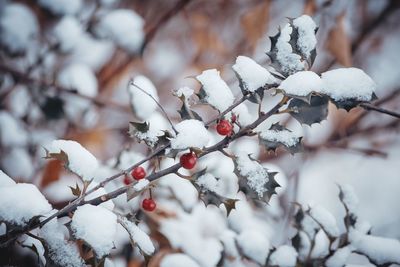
[[218, 93], [191, 133], [97, 226], [253, 75]]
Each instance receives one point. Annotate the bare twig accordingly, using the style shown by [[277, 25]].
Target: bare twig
[[369, 106], [158, 104]]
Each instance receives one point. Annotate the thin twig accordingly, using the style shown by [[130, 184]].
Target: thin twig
[[369, 106], [158, 104]]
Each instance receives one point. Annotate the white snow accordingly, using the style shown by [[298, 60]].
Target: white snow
[[219, 95], [325, 219], [178, 260], [254, 245], [339, 258], [80, 160], [141, 184], [208, 181], [5, 180], [143, 105], [185, 90], [124, 27], [289, 62], [62, 7], [20, 202], [348, 83], [350, 198], [321, 245], [97, 226], [140, 238], [302, 83], [285, 137], [253, 75], [60, 251], [306, 30], [18, 163], [67, 33], [255, 173], [16, 33], [12, 132], [150, 137], [196, 234], [80, 77], [109, 204], [284, 256], [191, 133], [379, 249]]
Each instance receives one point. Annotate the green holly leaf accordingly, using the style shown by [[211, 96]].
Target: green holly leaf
[[139, 126], [209, 196], [279, 136], [186, 113], [141, 132], [255, 181], [309, 113], [350, 103]]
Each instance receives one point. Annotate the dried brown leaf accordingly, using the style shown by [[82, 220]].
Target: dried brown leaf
[[339, 44]]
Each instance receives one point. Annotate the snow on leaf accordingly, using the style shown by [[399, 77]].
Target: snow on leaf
[[303, 38], [283, 256], [251, 75], [309, 113], [380, 250], [58, 250], [348, 87], [207, 186], [254, 180], [137, 236], [277, 135], [214, 90], [143, 133], [185, 112], [301, 85], [5, 180], [21, 203], [97, 226], [253, 245], [75, 157], [191, 133], [325, 219]]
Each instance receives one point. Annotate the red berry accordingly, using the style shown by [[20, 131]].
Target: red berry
[[188, 160], [138, 173], [149, 204], [127, 180], [224, 127]]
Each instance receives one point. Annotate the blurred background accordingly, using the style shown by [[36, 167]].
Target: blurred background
[[65, 66]]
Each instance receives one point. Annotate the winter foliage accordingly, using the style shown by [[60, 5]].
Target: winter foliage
[[196, 186]]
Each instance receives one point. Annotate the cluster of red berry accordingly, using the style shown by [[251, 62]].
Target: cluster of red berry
[[187, 160], [138, 173]]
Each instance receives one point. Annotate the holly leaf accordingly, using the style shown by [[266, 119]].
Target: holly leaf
[[350, 103], [255, 181], [186, 113], [210, 197], [139, 126], [309, 113], [279, 136], [61, 156], [76, 191]]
